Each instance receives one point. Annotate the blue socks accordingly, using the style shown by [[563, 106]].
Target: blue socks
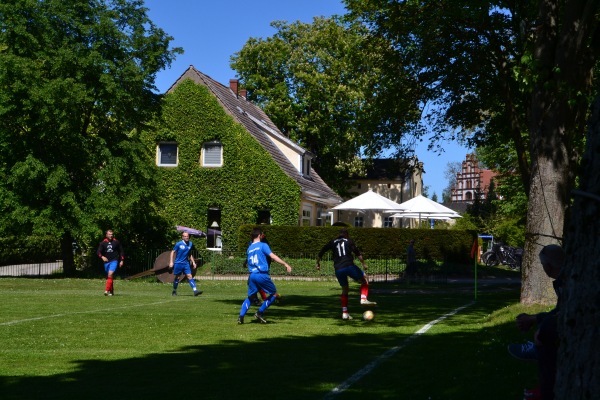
[[270, 300], [245, 306]]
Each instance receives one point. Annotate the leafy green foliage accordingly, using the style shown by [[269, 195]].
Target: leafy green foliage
[[75, 79], [319, 84], [248, 181], [497, 73], [431, 244], [466, 57]]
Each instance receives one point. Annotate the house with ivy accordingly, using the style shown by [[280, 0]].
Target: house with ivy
[[222, 163]]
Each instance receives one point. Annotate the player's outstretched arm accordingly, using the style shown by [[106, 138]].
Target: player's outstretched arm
[[275, 258]]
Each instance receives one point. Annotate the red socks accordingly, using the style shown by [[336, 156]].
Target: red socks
[[263, 294], [344, 301], [364, 290], [109, 284]]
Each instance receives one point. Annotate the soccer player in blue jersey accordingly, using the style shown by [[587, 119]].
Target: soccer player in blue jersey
[[182, 256], [257, 254], [343, 249], [111, 253], [254, 300]]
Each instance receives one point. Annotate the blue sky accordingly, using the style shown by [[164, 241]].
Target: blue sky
[[210, 32]]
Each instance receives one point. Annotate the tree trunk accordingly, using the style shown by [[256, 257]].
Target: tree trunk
[[564, 58], [545, 218], [578, 375], [66, 250]]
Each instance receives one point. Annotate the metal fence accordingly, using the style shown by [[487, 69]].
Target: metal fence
[[216, 265], [33, 270]]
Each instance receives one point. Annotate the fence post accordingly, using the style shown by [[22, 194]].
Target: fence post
[[386, 270]]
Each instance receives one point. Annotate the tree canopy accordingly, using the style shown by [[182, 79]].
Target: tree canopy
[[76, 80], [320, 84], [505, 73]]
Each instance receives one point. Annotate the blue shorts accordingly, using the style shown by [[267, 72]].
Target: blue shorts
[[260, 281], [351, 271], [179, 268], [111, 266]]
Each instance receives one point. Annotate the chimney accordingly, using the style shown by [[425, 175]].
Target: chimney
[[233, 85], [243, 93]]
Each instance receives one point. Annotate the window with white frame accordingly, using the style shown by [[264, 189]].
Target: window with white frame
[[328, 219], [212, 154], [324, 217], [167, 154], [388, 222], [359, 222]]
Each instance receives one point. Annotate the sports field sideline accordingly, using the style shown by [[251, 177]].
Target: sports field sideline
[[61, 338]]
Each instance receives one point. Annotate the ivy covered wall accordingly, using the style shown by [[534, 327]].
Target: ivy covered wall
[[248, 181]]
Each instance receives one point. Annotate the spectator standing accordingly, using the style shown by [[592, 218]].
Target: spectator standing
[[544, 348], [181, 258], [343, 249], [257, 257], [112, 255]]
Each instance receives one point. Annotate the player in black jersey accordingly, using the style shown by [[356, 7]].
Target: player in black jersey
[[344, 250]]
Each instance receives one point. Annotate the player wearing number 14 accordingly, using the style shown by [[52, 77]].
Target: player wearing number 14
[[259, 276]]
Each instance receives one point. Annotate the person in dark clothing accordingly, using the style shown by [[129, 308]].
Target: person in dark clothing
[[544, 348], [343, 249], [112, 255]]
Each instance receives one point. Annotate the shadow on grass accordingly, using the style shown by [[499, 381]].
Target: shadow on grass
[[436, 366]]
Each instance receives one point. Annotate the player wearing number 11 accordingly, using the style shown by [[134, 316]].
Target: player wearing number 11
[[343, 249], [259, 276]]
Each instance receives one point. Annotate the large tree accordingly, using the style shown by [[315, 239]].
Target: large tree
[[320, 84], [76, 80], [579, 351], [505, 71]]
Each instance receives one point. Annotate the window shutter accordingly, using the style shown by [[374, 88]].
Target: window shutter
[[212, 154]]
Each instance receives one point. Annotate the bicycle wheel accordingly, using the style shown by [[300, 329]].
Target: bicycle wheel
[[490, 259]]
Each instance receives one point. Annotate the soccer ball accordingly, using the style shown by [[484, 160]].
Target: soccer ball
[[368, 315]]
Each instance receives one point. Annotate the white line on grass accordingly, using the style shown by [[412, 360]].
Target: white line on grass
[[372, 365], [20, 321]]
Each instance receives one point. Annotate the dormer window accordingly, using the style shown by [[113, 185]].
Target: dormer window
[[212, 154], [305, 165]]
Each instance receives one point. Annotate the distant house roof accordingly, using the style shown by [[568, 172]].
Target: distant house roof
[[260, 126]]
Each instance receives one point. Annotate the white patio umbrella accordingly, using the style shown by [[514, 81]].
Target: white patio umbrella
[[424, 216], [370, 201], [421, 207]]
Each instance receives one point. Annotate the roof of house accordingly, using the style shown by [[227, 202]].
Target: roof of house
[[390, 168], [260, 126], [486, 177], [459, 207]]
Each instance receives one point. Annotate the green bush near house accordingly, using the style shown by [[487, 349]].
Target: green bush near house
[[29, 249], [430, 244]]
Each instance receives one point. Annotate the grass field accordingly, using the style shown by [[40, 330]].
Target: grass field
[[62, 339]]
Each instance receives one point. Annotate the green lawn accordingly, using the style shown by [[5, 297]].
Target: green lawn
[[62, 339]]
